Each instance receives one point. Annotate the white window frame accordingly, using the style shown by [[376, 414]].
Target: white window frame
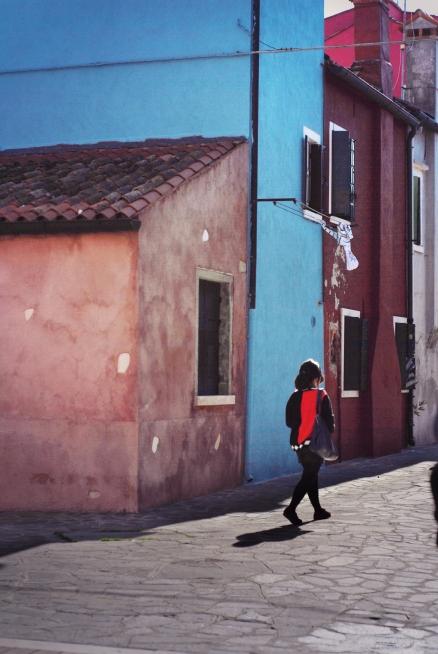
[[417, 171], [334, 219], [404, 321], [214, 400], [312, 138], [354, 314]]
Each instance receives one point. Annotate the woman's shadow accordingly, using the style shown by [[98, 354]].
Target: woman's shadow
[[288, 532]]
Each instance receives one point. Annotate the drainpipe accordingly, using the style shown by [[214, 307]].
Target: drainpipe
[[255, 63], [409, 272]]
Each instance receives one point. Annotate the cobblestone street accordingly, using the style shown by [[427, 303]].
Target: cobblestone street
[[226, 574]]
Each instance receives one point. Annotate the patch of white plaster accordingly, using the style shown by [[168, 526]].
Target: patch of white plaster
[[325, 283], [242, 266], [28, 314], [338, 276], [205, 236], [155, 444], [123, 362], [217, 442], [93, 494], [337, 302]]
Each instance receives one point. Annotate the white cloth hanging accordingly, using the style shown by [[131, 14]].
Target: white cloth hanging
[[343, 236]]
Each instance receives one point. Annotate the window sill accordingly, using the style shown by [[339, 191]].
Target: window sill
[[339, 221], [311, 215], [349, 393], [418, 248], [215, 400]]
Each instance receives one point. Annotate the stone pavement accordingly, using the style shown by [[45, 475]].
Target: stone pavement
[[225, 574]]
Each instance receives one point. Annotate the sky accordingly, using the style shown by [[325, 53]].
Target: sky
[[429, 6]]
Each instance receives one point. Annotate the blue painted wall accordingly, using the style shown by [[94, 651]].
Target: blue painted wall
[[289, 251], [210, 98], [122, 102]]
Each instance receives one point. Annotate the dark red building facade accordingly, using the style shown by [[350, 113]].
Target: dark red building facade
[[365, 171]]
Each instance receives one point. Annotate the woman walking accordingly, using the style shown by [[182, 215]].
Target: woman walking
[[301, 411]]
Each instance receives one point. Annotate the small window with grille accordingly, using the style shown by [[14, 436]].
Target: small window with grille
[[214, 346], [404, 333], [354, 353]]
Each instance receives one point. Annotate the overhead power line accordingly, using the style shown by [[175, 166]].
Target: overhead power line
[[201, 57]]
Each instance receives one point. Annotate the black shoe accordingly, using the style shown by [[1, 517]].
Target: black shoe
[[321, 514], [291, 515]]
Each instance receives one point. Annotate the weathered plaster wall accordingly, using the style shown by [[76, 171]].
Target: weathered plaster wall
[[422, 71], [374, 422], [425, 270], [68, 426], [187, 450]]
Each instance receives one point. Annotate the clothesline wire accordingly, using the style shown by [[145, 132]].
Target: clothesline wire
[[298, 212], [220, 55]]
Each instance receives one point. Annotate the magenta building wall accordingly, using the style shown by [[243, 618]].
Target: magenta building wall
[[339, 31]]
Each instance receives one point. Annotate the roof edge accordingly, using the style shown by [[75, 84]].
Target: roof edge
[[114, 145], [371, 92], [41, 227], [425, 119]]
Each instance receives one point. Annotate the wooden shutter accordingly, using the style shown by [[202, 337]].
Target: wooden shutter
[[364, 355], [306, 171], [352, 353], [342, 193], [208, 337], [315, 156]]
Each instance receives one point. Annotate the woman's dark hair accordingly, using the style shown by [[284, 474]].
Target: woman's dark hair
[[309, 370]]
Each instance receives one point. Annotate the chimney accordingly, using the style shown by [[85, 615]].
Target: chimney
[[371, 25], [422, 62]]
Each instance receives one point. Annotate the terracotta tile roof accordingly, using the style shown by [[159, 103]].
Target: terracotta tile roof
[[101, 183]]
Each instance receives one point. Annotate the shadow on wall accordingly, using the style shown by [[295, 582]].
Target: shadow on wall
[[22, 531]]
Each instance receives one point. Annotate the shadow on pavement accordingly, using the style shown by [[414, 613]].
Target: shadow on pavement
[[288, 532], [24, 543], [23, 530]]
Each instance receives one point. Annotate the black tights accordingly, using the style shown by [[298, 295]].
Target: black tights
[[308, 483]]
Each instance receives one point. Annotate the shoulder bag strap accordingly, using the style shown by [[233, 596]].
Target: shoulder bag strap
[[321, 395]]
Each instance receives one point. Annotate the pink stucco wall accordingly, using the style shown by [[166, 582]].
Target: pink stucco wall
[[181, 454], [76, 432], [68, 418]]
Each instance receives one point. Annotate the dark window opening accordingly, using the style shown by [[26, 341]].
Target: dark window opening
[[214, 338], [312, 175], [416, 210], [343, 175], [355, 353]]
